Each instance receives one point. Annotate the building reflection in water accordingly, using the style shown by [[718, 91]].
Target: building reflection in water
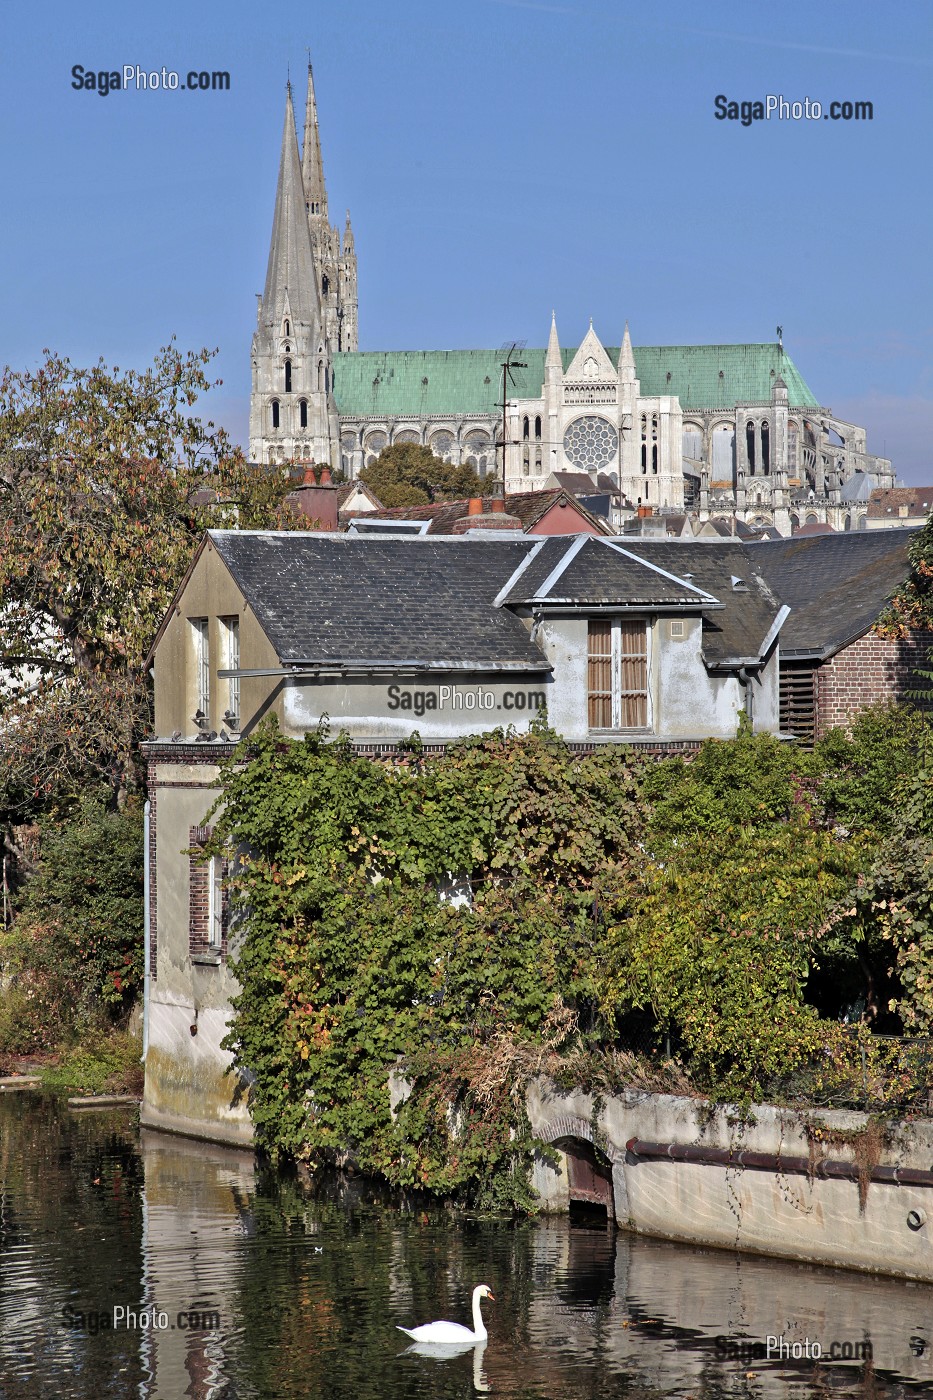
[[196, 1208], [666, 1313]]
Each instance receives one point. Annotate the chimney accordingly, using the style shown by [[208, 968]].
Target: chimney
[[476, 506], [326, 477], [309, 479], [644, 512], [497, 505]]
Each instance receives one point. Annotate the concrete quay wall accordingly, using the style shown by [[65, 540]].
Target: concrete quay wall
[[789, 1215]]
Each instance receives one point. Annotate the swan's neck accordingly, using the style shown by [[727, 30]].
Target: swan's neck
[[478, 1325]]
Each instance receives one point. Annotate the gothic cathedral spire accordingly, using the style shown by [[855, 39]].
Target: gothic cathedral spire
[[312, 164], [292, 412]]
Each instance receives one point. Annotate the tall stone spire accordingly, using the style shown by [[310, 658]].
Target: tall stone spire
[[312, 164], [348, 245], [626, 359], [290, 276], [552, 359]]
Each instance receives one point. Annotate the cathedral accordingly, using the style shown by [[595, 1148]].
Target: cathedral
[[717, 432]]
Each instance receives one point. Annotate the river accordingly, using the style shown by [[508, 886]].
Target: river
[[257, 1286]]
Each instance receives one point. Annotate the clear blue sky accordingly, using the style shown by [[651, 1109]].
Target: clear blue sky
[[500, 158]]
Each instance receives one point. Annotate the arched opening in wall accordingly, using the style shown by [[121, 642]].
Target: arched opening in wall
[[654, 444], [765, 448], [442, 445], [537, 461], [288, 329], [835, 439], [792, 447], [750, 445], [325, 285], [275, 413], [795, 522], [303, 413], [526, 460], [538, 428], [693, 442], [723, 452], [847, 523], [320, 374], [482, 466], [288, 376], [525, 429], [812, 519], [589, 1181], [472, 462]]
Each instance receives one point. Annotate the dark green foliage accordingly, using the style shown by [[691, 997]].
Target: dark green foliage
[[354, 963], [75, 951], [860, 773], [407, 474]]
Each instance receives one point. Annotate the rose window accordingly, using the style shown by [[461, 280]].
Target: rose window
[[591, 443]]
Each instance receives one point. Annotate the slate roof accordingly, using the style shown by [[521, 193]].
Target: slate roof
[[343, 601], [836, 585], [744, 627], [526, 506], [424, 383]]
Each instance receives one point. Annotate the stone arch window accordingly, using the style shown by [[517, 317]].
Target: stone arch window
[[644, 444], [476, 442], [442, 444], [693, 441], [525, 427], [288, 376], [406, 435], [654, 443], [750, 445], [325, 285], [320, 374], [526, 460], [471, 462], [303, 413], [795, 522], [374, 442], [847, 523], [482, 467], [765, 447], [288, 329], [275, 413], [792, 444], [537, 461], [538, 428]]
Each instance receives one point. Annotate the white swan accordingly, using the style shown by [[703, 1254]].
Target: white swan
[[451, 1334]]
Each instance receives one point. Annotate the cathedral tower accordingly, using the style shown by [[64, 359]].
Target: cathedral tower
[[335, 266], [292, 412]]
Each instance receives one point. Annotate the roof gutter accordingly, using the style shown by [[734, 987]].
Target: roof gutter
[[369, 668]]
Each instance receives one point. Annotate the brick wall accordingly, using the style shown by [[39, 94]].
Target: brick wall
[[872, 669]]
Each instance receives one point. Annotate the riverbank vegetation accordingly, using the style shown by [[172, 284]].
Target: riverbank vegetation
[[457, 924]]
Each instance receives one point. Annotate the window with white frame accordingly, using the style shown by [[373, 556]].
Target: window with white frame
[[230, 637], [618, 695], [202, 666], [215, 903]]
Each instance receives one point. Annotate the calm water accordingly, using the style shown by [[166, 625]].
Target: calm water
[[306, 1291]]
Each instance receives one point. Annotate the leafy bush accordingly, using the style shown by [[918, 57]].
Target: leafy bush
[[74, 958]]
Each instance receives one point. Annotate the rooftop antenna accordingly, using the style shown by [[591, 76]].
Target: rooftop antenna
[[780, 336], [511, 352]]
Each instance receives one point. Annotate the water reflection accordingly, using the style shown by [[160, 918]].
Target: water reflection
[[296, 1293]]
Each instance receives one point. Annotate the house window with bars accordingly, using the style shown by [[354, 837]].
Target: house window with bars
[[618, 693]]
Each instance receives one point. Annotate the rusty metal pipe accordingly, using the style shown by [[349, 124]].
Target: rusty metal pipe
[[773, 1162]]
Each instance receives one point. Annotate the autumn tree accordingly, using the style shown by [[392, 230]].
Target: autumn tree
[[407, 474], [107, 481]]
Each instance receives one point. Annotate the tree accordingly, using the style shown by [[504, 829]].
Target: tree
[[107, 481], [911, 608], [407, 474]]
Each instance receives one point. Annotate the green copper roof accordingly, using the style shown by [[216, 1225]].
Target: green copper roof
[[424, 383]]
